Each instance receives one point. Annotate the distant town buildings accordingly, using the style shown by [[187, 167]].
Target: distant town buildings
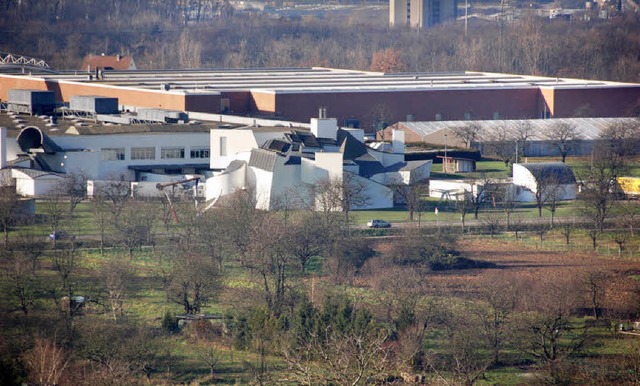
[[421, 13]]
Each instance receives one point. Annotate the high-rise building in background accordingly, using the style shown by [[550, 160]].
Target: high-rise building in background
[[421, 13]]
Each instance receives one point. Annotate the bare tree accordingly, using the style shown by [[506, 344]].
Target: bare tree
[[241, 219], [619, 141], [9, 209], [21, 281], [210, 355], [523, 133], [307, 237], [380, 118], [191, 279], [567, 229], [594, 282], [481, 189], [134, 225], [563, 137], [340, 194], [463, 204], [549, 334], [55, 209], [507, 196], [74, 188], [189, 50], [548, 190], [47, 362], [411, 195], [598, 196], [629, 214], [327, 355], [270, 259], [469, 358], [491, 224], [101, 214], [501, 142], [498, 302], [467, 133], [116, 275]]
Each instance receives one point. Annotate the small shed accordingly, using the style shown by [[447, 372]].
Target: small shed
[[458, 165]]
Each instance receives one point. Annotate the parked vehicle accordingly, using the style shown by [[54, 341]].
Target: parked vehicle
[[378, 224], [60, 235]]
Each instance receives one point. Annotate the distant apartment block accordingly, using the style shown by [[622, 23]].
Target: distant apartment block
[[421, 13]]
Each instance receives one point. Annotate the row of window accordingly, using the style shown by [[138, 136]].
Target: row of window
[[467, 116], [149, 153]]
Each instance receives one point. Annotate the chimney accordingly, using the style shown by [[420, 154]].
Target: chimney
[[118, 57], [397, 142]]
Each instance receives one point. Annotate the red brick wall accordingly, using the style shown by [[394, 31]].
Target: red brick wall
[[602, 102], [423, 105]]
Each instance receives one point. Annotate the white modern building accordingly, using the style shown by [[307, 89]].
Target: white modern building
[[273, 161], [146, 154], [296, 164]]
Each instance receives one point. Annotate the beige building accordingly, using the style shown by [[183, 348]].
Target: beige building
[[421, 13]]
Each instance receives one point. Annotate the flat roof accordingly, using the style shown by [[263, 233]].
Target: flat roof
[[90, 127], [316, 80]]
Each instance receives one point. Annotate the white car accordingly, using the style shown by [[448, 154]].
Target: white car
[[378, 224]]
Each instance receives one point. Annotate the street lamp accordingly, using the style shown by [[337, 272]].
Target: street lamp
[[444, 163]]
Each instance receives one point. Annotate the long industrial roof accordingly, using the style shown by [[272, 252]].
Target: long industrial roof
[[589, 128], [318, 79]]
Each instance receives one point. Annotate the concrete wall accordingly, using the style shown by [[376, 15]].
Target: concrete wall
[[226, 183], [377, 195], [38, 187], [109, 169], [237, 141], [3, 147]]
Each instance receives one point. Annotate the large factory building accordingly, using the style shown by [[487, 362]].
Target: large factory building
[[356, 98]]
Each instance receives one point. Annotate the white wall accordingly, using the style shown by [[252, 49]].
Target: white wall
[[377, 195], [386, 159], [326, 165], [226, 183], [38, 187], [357, 133], [324, 127], [237, 141], [87, 162], [397, 141], [263, 182], [523, 178], [108, 169], [3, 147]]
